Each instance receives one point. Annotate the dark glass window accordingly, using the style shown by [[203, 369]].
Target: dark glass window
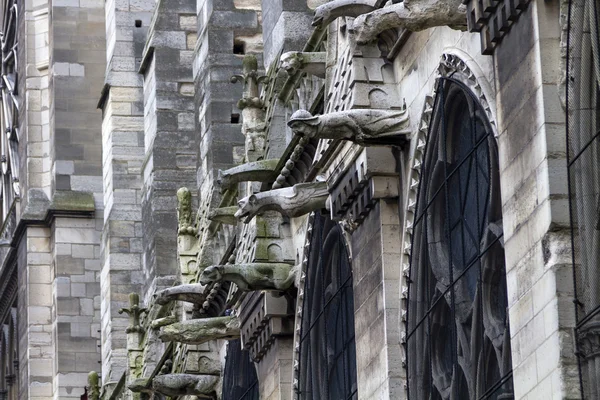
[[458, 338], [9, 359], [327, 367], [583, 121], [240, 381]]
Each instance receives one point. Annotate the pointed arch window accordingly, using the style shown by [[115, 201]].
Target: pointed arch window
[[327, 364], [458, 342]]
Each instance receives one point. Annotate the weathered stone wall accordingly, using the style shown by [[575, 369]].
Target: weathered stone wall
[[123, 155], [531, 127]]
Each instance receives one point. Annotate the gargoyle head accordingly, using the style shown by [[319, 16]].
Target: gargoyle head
[[211, 274], [248, 208], [223, 180], [291, 62], [304, 123], [322, 15]]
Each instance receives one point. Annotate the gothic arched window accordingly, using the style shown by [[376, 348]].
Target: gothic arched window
[[240, 381], [458, 342], [583, 144], [327, 368]]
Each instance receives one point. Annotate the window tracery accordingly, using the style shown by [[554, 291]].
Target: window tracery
[[327, 356], [458, 342], [9, 360]]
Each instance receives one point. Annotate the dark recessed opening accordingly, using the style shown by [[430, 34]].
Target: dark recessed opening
[[138, 23], [235, 118], [239, 47]]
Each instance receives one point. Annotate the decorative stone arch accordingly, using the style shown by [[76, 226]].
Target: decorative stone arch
[[312, 229], [460, 67]]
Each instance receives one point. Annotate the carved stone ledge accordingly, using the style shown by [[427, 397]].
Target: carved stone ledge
[[198, 331], [191, 293], [416, 15], [202, 386], [294, 201], [310, 63], [329, 12], [256, 171], [364, 127], [253, 276]]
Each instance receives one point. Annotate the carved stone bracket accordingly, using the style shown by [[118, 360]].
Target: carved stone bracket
[[264, 319], [310, 63], [253, 276], [198, 331], [364, 127], [294, 201]]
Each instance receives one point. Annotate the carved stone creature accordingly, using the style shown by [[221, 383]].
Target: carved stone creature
[[253, 276], [256, 171], [160, 322], [94, 386], [311, 63], [365, 127], [329, 12], [292, 201], [191, 293], [414, 15], [184, 211], [173, 385], [140, 385], [198, 331]]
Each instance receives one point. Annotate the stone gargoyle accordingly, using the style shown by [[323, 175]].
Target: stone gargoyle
[[191, 293], [329, 12], [256, 171], [292, 201], [198, 331], [311, 63], [252, 276], [413, 15], [362, 126], [173, 385]]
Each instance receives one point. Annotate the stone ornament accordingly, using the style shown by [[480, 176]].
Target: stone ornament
[[329, 12], [311, 63], [292, 201], [413, 15], [174, 385], [93, 386], [135, 312], [362, 126], [252, 276], [191, 293], [256, 171], [184, 212], [160, 322], [198, 331]]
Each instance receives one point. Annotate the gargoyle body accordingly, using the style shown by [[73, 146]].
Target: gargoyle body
[[191, 293], [225, 215], [198, 331], [329, 12], [413, 15], [256, 171], [173, 385], [362, 126], [253, 276], [311, 63], [292, 201]]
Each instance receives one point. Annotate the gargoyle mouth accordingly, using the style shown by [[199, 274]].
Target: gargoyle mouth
[[317, 21], [243, 216]]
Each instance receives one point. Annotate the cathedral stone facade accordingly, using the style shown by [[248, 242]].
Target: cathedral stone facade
[[300, 199]]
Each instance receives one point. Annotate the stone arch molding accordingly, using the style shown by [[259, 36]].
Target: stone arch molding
[[459, 65]]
